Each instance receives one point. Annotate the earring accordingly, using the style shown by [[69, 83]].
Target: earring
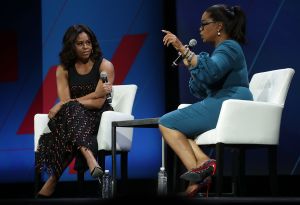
[[219, 34]]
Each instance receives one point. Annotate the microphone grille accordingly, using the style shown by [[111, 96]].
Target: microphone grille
[[192, 42], [103, 74]]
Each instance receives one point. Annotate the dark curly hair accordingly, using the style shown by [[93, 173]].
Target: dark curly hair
[[233, 18], [68, 54]]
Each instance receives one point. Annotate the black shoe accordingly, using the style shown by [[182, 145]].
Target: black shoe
[[97, 172], [40, 196]]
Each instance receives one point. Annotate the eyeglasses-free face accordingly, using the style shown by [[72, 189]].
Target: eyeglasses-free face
[[203, 24]]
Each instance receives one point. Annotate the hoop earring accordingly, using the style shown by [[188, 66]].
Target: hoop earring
[[219, 34]]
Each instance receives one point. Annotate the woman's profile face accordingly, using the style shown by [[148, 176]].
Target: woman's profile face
[[83, 46], [208, 28]]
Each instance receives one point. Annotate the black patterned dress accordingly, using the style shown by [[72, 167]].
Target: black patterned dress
[[72, 127]]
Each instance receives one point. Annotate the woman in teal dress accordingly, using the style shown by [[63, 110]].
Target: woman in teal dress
[[214, 78]]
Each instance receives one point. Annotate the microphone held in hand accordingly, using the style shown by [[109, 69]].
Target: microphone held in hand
[[192, 43], [103, 76]]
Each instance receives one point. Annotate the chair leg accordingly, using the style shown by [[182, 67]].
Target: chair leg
[[241, 172], [174, 179], [37, 176], [220, 162], [235, 171], [272, 155], [124, 165], [80, 182], [101, 159]]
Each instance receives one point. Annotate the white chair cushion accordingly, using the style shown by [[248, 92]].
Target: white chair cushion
[[40, 127], [245, 122], [124, 135]]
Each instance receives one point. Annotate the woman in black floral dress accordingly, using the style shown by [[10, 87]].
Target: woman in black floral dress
[[75, 119]]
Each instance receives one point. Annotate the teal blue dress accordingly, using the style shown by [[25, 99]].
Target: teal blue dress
[[214, 79]]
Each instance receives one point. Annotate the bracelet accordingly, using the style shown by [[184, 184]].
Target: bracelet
[[190, 57], [185, 51]]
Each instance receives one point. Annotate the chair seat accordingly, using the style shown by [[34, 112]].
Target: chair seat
[[245, 122], [124, 135], [207, 138]]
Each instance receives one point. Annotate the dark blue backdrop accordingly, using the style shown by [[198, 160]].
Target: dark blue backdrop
[[31, 33]]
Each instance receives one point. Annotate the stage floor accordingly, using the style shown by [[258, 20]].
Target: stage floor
[[144, 190], [155, 200]]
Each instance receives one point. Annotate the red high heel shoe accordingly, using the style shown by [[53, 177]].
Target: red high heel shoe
[[204, 185], [208, 168]]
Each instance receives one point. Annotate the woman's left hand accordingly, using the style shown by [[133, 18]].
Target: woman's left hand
[[170, 38], [107, 87]]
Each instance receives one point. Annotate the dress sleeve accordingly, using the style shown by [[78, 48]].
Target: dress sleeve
[[210, 69]]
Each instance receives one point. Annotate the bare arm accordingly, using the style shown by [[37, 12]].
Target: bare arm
[[62, 84], [62, 90], [172, 39]]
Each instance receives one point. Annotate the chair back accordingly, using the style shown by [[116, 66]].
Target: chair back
[[123, 98], [271, 86], [40, 127]]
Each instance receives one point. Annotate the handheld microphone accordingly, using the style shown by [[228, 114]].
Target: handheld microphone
[[103, 76], [192, 43]]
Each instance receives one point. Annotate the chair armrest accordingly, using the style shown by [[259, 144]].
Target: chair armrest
[[40, 127], [183, 106], [124, 134], [249, 122]]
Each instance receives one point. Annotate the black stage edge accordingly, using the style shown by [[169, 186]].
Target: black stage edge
[[156, 200], [144, 190]]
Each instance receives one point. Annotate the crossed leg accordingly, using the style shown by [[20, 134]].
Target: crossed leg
[[49, 186], [186, 149]]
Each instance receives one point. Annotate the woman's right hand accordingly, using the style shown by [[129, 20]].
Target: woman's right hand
[[170, 38], [57, 107], [54, 110]]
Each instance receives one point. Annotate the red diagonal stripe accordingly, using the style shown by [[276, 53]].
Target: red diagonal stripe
[[126, 54], [43, 101]]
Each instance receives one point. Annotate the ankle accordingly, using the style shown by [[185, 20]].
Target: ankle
[[202, 161]]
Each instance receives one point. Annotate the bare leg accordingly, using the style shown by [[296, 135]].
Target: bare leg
[[49, 186], [200, 155], [186, 149], [180, 145], [90, 159], [201, 158], [183, 149]]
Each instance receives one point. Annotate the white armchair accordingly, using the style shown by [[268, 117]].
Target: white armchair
[[250, 124], [123, 97], [122, 102]]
